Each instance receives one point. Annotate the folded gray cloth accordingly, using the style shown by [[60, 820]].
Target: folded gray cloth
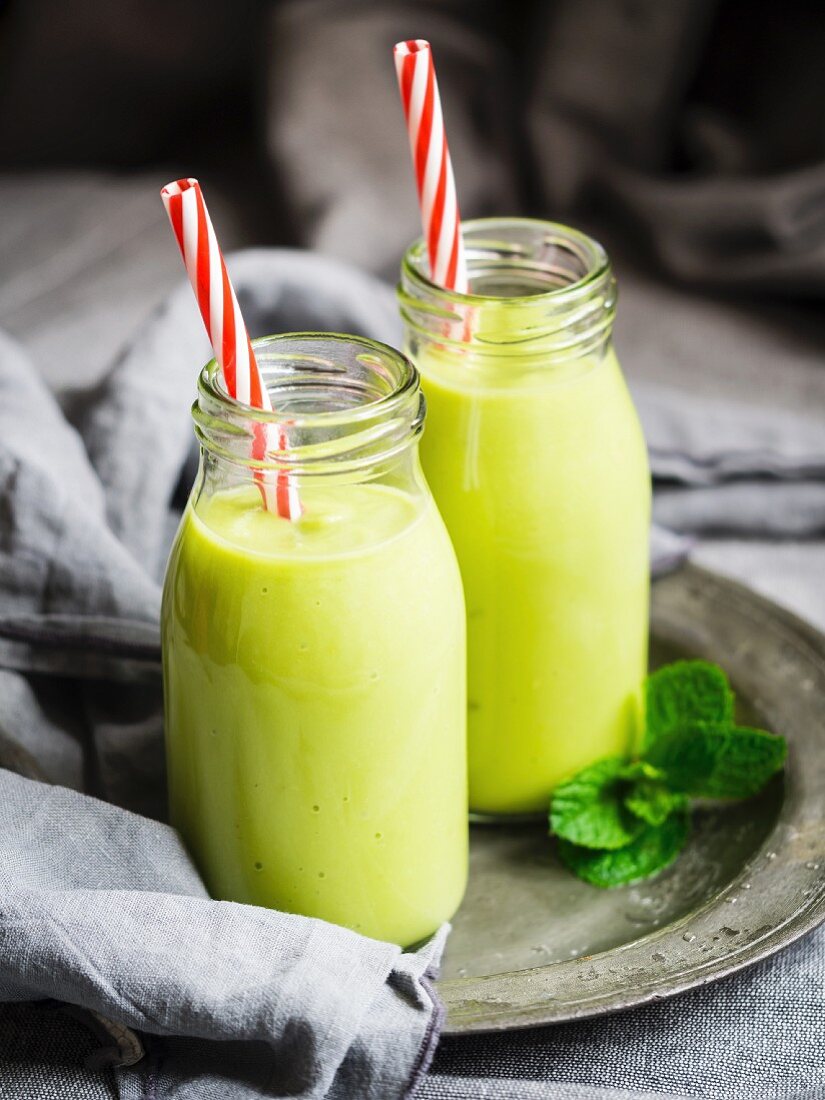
[[747, 470], [102, 908]]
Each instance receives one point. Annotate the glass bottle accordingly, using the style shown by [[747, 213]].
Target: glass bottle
[[314, 669], [537, 463]]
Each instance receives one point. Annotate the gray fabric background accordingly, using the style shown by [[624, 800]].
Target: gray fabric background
[[104, 909], [758, 1034]]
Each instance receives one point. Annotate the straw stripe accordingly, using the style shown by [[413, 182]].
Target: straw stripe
[[225, 327], [432, 164], [216, 294]]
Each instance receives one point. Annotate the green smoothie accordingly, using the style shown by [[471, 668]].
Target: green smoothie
[[315, 705], [537, 463], [540, 472]]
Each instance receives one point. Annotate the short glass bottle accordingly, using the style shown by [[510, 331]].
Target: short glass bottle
[[314, 669]]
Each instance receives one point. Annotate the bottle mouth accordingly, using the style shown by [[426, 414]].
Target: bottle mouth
[[337, 401], [531, 282]]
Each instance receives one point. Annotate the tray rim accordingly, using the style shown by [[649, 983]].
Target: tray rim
[[487, 1018]]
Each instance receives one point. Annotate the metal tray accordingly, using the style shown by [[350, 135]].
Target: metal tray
[[533, 945]]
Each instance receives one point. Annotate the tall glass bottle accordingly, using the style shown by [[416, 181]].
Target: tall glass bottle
[[537, 462]]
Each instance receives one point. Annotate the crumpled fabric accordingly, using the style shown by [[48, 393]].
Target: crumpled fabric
[[102, 907], [694, 124]]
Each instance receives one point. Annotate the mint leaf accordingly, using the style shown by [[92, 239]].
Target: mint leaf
[[650, 852], [653, 801], [709, 761], [640, 769], [745, 760], [686, 756], [648, 796], [685, 691], [622, 821], [588, 808]]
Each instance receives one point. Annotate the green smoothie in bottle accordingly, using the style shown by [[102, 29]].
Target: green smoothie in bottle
[[538, 465], [315, 668]]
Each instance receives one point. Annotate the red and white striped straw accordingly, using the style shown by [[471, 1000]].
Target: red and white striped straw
[[431, 161], [225, 326]]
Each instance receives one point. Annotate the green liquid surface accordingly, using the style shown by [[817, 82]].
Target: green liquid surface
[[315, 706], [542, 479]]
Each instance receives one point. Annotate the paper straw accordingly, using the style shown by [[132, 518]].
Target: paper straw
[[431, 161], [192, 226]]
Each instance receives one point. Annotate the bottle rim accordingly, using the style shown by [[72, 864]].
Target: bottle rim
[[338, 400], [415, 264], [567, 311]]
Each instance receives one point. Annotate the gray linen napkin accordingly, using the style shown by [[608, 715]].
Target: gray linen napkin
[[102, 907]]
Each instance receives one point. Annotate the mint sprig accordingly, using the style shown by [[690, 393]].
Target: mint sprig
[[711, 761], [653, 801], [684, 692], [620, 821], [588, 809], [653, 849]]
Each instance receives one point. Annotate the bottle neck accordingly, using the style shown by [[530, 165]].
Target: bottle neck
[[541, 293], [343, 408]]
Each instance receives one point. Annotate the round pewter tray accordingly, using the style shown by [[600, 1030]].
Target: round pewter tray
[[532, 944]]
